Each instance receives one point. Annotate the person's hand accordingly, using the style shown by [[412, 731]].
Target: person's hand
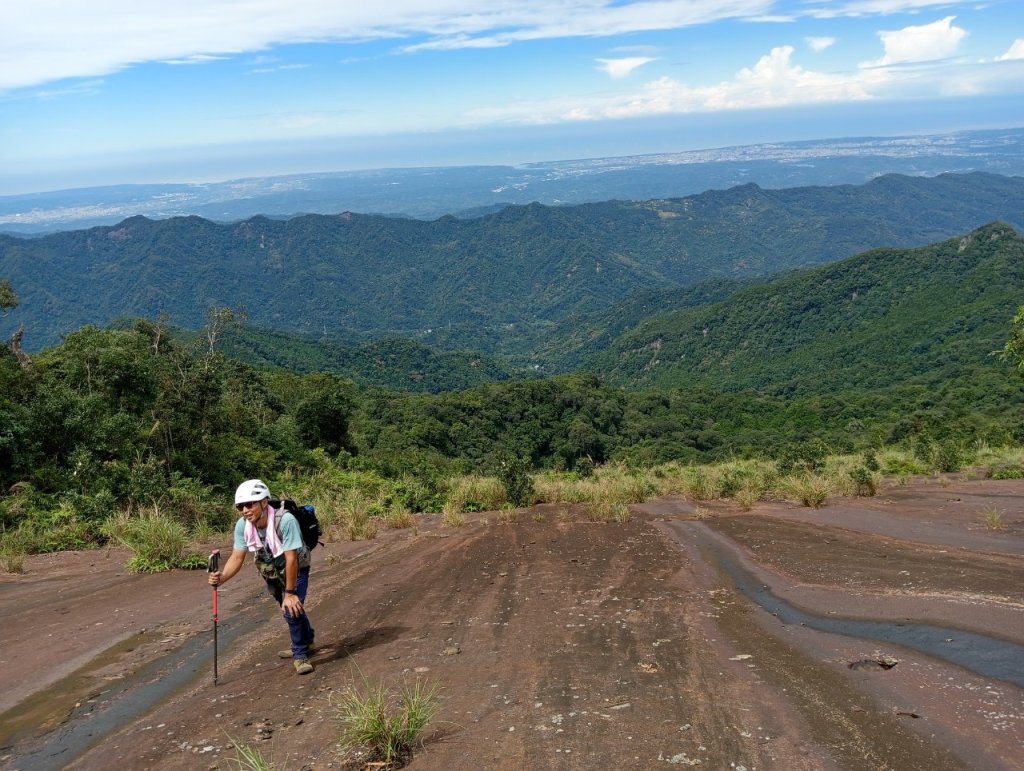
[[213, 579], [292, 605]]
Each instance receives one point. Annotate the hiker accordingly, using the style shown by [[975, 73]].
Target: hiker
[[282, 559]]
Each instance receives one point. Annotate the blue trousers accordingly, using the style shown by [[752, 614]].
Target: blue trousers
[[298, 627]]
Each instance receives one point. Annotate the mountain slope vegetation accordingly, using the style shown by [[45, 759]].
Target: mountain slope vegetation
[[491, 279], [886, 317], [388, 362]]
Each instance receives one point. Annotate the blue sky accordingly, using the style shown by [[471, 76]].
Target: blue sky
[[111, 91]]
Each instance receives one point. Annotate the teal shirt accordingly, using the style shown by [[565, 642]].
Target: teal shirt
[[287, 528]]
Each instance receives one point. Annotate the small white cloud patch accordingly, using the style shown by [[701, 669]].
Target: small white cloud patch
[[621, 68], [818, 44], [1015, 51]]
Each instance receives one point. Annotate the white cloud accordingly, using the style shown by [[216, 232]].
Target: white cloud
[[47, 40], [829, 9], [926, 42], [819, 44], [85, 87], [621, 68], [1015, 51], [774, 81], [195, 59], [278, 68]]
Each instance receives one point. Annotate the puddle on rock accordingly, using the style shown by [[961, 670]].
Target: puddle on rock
[[58, 724], [983, 655]]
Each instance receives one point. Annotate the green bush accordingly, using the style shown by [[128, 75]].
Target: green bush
[[804, 457], [158, 541], [514, 474], [864, 481], [1007, 472]]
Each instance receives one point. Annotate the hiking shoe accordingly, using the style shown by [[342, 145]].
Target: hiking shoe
[[287, 653], [302, 666]]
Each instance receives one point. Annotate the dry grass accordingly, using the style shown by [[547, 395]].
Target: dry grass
[[508, 516], [994, 519], [476, 493], [452, 517], [748, 495], [399, 518], [608, 484], [810, 490], [356, 523], [13, 561]]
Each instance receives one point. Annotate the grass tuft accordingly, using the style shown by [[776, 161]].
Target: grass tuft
[[386, 721], [452, 517], [398, 517], [809, 489], [508, 516], [249, 758], [994, 519]]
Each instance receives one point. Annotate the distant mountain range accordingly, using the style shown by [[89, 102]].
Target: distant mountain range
[[925, 319], [429, 193], [495, 284]]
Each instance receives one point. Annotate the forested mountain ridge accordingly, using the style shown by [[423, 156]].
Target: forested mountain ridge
[[489, 278], [397, 363], [885, 317]]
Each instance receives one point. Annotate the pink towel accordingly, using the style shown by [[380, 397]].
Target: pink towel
[[252, 538]]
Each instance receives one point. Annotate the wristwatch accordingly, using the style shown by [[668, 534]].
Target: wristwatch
[[291, 591]]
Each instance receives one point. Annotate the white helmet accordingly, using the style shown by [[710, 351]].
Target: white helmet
[[251, 490]]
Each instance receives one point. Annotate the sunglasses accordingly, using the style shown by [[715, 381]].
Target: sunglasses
[[244, 506]]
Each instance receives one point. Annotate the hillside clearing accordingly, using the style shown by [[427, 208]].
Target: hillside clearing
[[554, 643]]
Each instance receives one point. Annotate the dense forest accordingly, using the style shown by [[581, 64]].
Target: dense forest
[[887, 317], [123, 419]]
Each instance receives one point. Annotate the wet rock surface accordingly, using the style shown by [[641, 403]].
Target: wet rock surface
[[555, 644]]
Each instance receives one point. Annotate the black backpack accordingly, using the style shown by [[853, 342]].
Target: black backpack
[[309, 525]]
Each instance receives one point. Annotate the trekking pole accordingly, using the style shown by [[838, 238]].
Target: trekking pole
[[211, 566]]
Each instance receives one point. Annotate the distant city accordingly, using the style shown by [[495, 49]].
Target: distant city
[[466, 191]]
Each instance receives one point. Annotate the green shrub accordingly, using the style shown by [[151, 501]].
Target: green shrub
[[193, 502], [901, 464], [699, 484], [941, 457], [864, 481], [514, 474], [1007, 472], [803, 457], [584, 466], [157, 540], [871, 461]]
